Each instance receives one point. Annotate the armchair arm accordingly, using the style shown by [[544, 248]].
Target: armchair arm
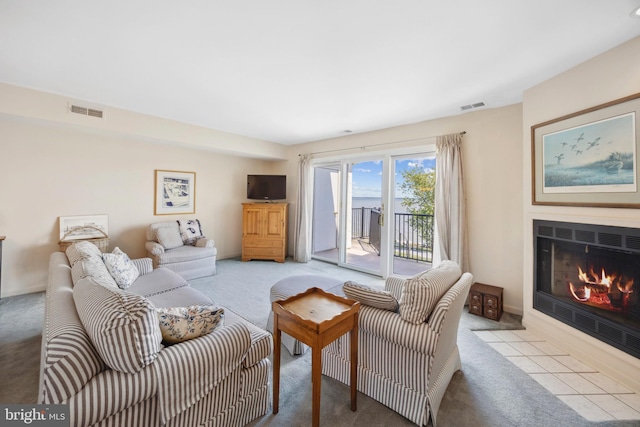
[[144, 265], [390, 326], [154, 248], [205, 243], [445, 319], [188, 371]]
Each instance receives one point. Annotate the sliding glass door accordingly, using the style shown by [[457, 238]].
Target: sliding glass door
[[413, 209], [375, 214], [364, 215]]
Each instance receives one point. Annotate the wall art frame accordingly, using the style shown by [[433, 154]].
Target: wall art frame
[[175, 192], [82, 227], [588, 158]]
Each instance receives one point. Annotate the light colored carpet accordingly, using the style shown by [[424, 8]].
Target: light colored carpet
[[490, 391]]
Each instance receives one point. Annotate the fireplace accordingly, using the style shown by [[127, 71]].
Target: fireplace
[[588, 276]]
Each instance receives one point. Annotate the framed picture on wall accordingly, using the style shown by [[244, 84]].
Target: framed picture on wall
[[589, 158], [175, 192], [83, 227]]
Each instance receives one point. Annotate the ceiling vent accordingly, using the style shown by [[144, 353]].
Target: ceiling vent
[[472, 106], [85, 111]]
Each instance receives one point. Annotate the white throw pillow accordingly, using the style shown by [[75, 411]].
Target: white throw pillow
[[190, 230], [94, 268], [169, 236], [80, 250], [123, 271], [180, 324]]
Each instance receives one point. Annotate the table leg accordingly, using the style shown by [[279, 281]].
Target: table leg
[[354, 363], [276, 363], [316, 379]]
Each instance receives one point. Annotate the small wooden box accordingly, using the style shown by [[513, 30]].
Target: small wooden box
[[485, 300]]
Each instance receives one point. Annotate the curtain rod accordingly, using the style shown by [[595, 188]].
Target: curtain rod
[[376, 145]]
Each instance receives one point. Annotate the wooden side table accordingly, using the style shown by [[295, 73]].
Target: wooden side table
[[316, 318]]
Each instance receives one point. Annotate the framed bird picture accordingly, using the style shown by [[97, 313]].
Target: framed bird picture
[[588, 158]]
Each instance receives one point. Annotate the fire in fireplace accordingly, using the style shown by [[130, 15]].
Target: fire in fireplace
[[586, 276], [606, 291]]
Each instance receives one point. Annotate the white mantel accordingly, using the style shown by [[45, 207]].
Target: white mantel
[[607, 77]]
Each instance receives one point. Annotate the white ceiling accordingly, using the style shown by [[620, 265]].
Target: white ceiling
[[292, 71]]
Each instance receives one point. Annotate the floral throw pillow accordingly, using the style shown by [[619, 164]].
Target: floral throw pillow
[[121, 268], [179, 324]]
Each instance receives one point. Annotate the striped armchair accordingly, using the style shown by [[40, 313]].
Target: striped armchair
[[406, 358]]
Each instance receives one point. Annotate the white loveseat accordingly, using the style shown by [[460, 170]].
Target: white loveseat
[[103, 354], [182, 247], [407, 337]]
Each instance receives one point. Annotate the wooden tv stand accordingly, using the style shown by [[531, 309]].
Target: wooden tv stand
[[264, 231]]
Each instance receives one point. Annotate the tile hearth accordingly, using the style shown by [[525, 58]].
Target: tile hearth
[[590, 393]]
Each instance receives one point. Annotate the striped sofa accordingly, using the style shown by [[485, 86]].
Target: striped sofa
[[407, 352], [123, 376]]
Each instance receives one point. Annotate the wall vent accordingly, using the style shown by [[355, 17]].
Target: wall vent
[[471, 106], [85, 111]]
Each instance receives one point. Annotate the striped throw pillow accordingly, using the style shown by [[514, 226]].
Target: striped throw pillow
[[370, 296], [421, 293], [122, 326]]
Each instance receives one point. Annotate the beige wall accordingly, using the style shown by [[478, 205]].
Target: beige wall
[[612, 75], [491, 151], [51, 168]]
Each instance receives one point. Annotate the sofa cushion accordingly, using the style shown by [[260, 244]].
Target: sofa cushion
[[168, 235], [122, 326], [370, 296], [123, 271], [179, 297], [190, 230], [158, 281], [179, 324], [421, 292], [186, 253]]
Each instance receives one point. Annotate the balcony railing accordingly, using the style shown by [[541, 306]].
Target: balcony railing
[[413, 232], [413, 236]]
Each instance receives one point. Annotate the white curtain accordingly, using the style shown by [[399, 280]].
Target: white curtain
[[450, 215], [302, 231]]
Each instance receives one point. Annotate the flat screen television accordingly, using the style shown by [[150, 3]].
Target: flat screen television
[[266, 187]]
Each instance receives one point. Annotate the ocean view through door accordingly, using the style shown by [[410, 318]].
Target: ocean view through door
[[370, 214], [413, 210], [364, 215]]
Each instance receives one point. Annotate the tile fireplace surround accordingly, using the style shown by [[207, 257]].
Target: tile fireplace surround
[[605, 358]]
